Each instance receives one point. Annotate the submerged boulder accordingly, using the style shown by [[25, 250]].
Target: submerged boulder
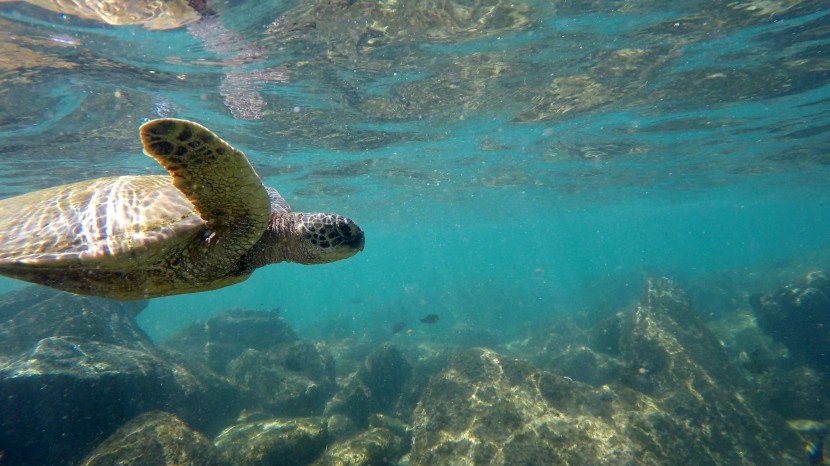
[[375, 387], [289, 379], [30, 314], [664, 341], [273, 442], [674, 358], [486, 408], [221, 338], [261, 356], [373, 447], [798, 316], [73, 369], [677, 399], [155, 438]]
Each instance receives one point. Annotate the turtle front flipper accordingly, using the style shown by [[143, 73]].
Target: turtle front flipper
[[215, 177]]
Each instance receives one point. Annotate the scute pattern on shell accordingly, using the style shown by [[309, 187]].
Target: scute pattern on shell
[[93, 220]]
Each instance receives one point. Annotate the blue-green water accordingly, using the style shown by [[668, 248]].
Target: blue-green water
[[509, 162], [501, 170]]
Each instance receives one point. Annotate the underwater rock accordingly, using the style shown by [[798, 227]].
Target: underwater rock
[[82, 368], [375, 387], [748, 344], [155, 438], [583, 364], [275, 442], [800, 392], [566, 348], [665, 340], [341, 426], [226, 336], [293, 378], [486, 408], [393, 424], [260, 355], [428, 358], [798, 316], [376, 446], [32, 313], [684, 402], [674, 358]]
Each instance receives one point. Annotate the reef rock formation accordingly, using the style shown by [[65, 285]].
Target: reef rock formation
[[677, 400], [261, 356], [486, 408], [73, 369], [682, 366], [798, 316], [565, 347], [273, 442], [156, 438], [294, 378], [376, 446], [224, 337], [375, 387]]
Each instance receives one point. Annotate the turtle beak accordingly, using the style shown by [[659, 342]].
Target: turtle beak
[[355, 239]]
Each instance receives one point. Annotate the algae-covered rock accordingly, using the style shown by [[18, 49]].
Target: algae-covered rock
[[798, 316], [486, 408], [341, 426], [73, 369], [30, 314], [665, 339], [798, 392], [155, 438], [224, 337], [684, 402], [686, 371], [294, 378], [274, 442], [393, 424], [376, 386], [374, 447], [261, 356], [583, 364]]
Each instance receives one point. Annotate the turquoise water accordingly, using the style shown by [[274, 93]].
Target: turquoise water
[[542, 158], [522, 170]]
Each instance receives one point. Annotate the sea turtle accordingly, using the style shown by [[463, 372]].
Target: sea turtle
[[135, 237]]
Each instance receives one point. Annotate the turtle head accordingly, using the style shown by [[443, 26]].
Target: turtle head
[[305, 239], [322, 238]]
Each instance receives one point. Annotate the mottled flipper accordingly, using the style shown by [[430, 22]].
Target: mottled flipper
[[215, 177]]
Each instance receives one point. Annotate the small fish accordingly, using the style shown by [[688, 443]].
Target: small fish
[[398, 327], [431, 319]]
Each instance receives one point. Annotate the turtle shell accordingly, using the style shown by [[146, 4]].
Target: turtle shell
[[124, 218]]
